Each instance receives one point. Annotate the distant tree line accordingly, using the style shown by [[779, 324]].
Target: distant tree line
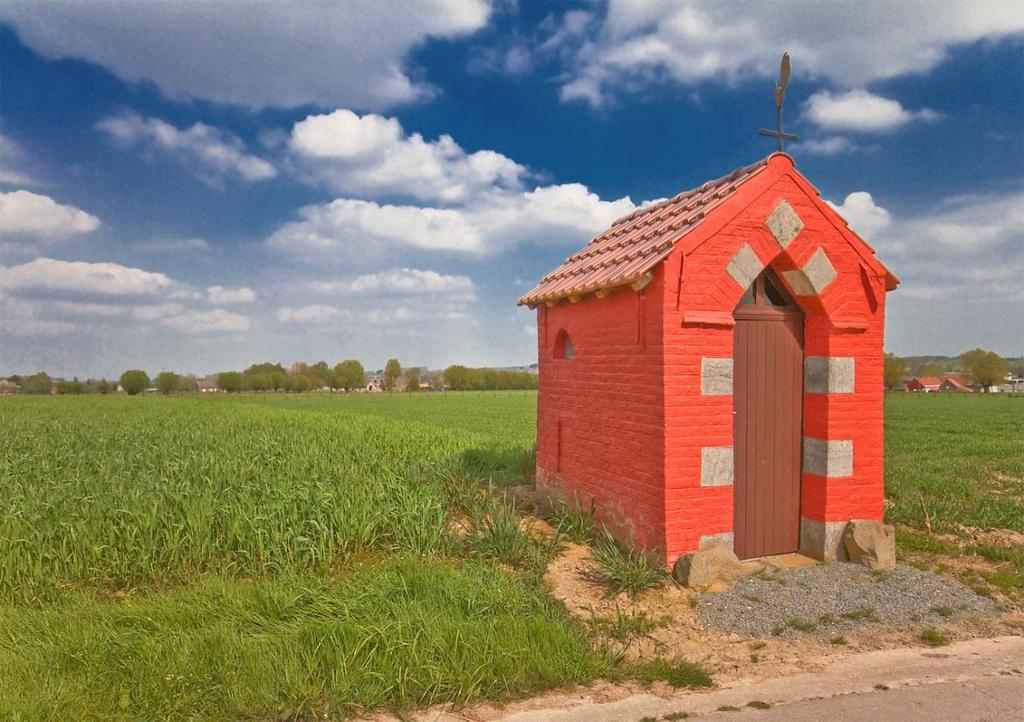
[[462, 378], [348, 375]]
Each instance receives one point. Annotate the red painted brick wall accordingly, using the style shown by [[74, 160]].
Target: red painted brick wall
[[624, 422], [600, 420]]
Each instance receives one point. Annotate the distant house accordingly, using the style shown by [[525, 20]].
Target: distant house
[[944, 384], [208, 384], [924, 384], [954, 384], [373, 384]]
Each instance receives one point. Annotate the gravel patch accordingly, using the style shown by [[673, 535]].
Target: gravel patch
[[830, 598]]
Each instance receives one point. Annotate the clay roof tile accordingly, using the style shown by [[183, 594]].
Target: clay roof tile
[[637, 242]]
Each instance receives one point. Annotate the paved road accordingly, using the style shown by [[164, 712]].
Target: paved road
[[989, 699], [981, 679]]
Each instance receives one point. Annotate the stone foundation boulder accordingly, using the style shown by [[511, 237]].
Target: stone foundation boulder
[[870, 543], [712, 565]]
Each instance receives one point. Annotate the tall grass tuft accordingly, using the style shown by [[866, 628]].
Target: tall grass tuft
[[572, 520], [623, 571], [501, 534]]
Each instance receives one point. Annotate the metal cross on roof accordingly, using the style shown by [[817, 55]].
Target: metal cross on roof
[[780, 98]]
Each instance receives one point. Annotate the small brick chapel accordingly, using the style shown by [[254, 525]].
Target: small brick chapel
[[711, 371]]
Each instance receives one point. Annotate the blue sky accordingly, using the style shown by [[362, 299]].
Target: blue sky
[[198, 187]]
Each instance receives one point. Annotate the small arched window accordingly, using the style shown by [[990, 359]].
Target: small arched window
[[563, 345]]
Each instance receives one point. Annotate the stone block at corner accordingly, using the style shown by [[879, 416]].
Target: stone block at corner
[[870, 543]]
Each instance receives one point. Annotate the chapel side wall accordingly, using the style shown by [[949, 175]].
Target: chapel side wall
[[600, 414]]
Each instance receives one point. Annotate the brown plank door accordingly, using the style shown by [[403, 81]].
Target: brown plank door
[[768, 401]]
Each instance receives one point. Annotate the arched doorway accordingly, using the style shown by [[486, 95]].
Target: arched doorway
[[767, 419]]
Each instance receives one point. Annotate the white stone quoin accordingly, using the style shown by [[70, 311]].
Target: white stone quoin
[[716, 376], [829, 374], [745, 266], [725, 539], [820, 271], [716, 466], [822, 540], [828, 457], [814, 277], [784, 223]]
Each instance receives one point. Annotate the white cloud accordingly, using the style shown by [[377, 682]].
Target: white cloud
[[41, 296], [312, 312], [11, 161], [859, 110], [959, 266], [961, 271], [154, 311], [19, 317], [977, 226], [351, 224], [401, 281], [507, 55], [568, 214], [253, 53], [344, 134], [221, 295], [23, 213], [862, 213], [406, 317], [851, 44], [574, 25], [47, 274], [86, 308], [212, 154], [175, 245], [471, 203], [963, 250], [215, 320], [370, 156], [831, 145], [20, 326]]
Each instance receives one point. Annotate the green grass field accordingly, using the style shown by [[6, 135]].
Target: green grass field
[[255, 556], [956, 463], [260, 556]]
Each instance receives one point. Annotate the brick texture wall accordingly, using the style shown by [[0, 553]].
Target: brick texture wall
[[600, 414]]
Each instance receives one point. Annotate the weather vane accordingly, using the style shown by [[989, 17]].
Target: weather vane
[[780, 98]]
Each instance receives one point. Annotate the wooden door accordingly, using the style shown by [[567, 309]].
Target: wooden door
[[768, 402]]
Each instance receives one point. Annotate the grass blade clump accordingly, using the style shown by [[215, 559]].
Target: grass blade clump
[[502, 535], [623, 571], [572, 520]]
